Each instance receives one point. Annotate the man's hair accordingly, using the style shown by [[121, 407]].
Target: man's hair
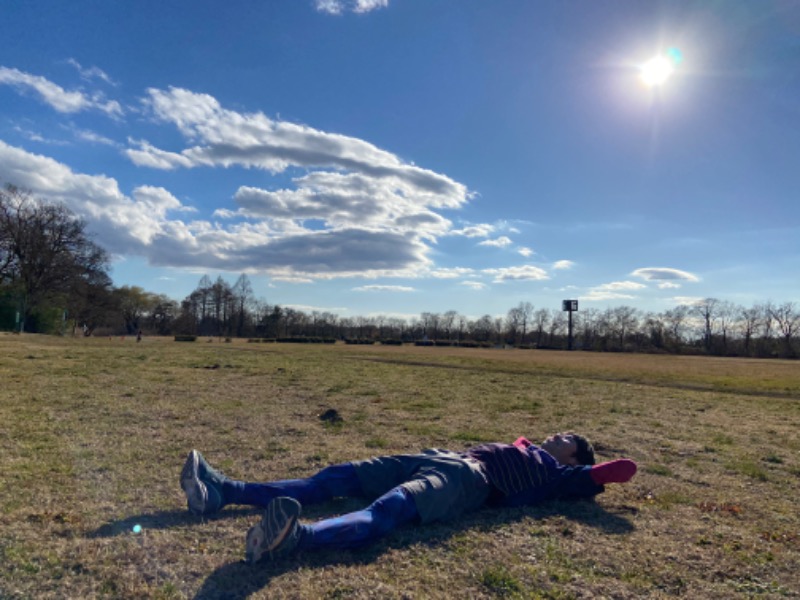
[[585, 452]]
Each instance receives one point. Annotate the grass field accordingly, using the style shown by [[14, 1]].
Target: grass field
[[93, 433]]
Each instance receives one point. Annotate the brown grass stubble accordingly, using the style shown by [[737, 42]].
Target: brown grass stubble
[[93, 434]]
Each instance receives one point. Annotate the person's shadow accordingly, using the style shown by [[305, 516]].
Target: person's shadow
[[162, 520], [239, 580]]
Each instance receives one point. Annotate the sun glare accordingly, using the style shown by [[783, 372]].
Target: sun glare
[[656, 71]]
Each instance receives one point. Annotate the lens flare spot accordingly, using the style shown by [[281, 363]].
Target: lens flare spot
[[675, 56]]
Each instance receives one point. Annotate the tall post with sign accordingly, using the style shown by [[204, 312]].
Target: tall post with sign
[[569, 306]]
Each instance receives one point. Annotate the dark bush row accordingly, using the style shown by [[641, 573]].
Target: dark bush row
[[454, 343]]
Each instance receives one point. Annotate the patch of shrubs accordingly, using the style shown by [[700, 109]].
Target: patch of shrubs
[[305, 340], [359, 341], [454, 343], [292, 340], [185, 338]]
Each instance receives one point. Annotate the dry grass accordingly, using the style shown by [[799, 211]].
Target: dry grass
[[93, 433]]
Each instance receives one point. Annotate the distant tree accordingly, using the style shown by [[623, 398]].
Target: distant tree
[[513, 325], [540, 320], [706, 311], [787, 317], [134, 304], [586, 324], [556, 326], [447, 323], [481, 329], [623, 320], [726, 316], [749, 322], [656, 330], [675, 321], [163, 313], [46, 256], [242, 297]]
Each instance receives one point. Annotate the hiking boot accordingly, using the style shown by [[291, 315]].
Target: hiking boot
[[202, 485], [278, 533]]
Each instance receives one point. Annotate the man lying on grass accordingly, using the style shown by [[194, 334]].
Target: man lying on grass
[[422, 488]]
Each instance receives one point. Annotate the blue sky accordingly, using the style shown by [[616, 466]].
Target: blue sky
[[395, 157]]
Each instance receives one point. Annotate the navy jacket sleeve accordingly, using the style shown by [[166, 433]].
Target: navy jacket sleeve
[[560, 482]]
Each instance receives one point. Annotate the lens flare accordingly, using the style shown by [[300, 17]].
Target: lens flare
[[675, 56]]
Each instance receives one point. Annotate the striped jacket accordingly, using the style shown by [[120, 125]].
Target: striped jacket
[[522, 473]]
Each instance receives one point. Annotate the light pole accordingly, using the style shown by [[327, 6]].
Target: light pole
[[569, 306]]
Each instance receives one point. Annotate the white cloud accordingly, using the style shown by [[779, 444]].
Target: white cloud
[[337, 7], [561, 265], [92, 137], [668, 285], [597, 294], [149, 156], [526, 252], [481, 230], [227, 138], [616, 290], [661, 274], [687, 300], [341, 200], [363, 6], [383, 288], [350, 183], [523, 273], [475, 285], [56, 96], [621, 285], [143, 225], [357, 210], [122, 223], [500, 242], [451, 273], [35, 136], [90, 73]]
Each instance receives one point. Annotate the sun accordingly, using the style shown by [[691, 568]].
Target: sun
[[659, 69], [656, 71]]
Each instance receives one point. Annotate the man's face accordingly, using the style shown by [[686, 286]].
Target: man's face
[[562, 447]]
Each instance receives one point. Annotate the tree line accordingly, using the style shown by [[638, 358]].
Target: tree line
[[54, 279]]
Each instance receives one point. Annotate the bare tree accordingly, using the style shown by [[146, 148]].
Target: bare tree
[[749, 322], [513, 324], [242, 296], [623, 320], [675, 320], [557, 324], [706, 311], [447, 322], [586, 325], [787, 318], [481, 329], [46, 255], [540, 320]]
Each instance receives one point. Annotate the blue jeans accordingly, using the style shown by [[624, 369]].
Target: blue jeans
[[389, 511]]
